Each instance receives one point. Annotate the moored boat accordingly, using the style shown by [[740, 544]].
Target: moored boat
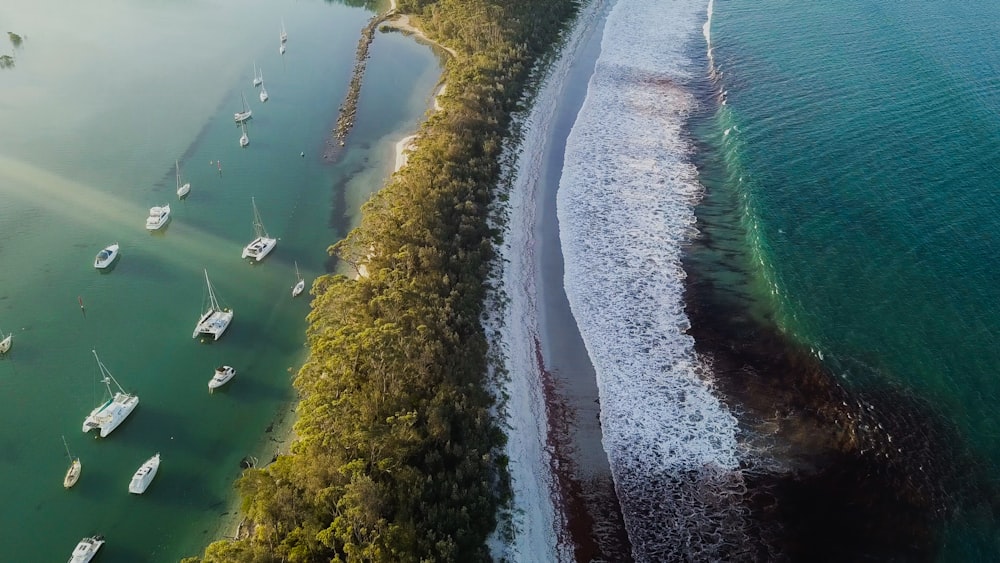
[[75, 467], [215, 320], [299, 285], [263, 244], [182, 188], [144, 475], [222, 376], [86, 549], [244, 115], [116, 407], [6, 343], [158, 216], [106, 256]]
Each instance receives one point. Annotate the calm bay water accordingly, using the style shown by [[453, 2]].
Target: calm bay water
[[93, 116], [860, 139]]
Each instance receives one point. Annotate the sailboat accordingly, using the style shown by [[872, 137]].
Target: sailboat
[[263, 91], [215, 320], [73, 473], [182, 189], [244, 140], [257, 79], [6, 342], [109, 414], [242, 116], [300, 285], [260, 246], [283, 35]]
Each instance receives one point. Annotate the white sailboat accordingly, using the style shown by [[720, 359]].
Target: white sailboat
[[73, 473], [281, 48], [6, 342], [263, 244], [242, 116], [158, 216], [144, 475], [257, 79], [214, 321], [106, 256], [244, 140], [300, 285], [283, 35], [221, 376], [182, 189], [115, 409], [86, 549], [263, 91]]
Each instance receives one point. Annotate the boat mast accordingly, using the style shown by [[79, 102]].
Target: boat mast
[[177, 167], [258, 225], [211, 294], [67, 448], [108, 378]]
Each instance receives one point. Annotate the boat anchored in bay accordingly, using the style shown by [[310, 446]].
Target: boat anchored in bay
[[222, 376], [106, 256], [86, 549], [115, 409], [144, 475], [215, 320], [158, 216], [299, 285], [263, 244], [75, 467]]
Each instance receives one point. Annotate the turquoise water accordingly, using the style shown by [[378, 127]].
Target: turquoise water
[[93, 117], [861, 142]]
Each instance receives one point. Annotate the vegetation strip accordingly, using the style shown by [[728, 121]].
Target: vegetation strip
[[398, 455]]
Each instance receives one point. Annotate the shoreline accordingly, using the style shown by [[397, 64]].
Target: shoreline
[[560, 473]]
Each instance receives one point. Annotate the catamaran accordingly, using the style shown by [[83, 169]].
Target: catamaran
[[144, 475], [299, 285], [106, 256], [158, 216], [115, 409], [262, 244], [86, 549], [242, 116], [182, 189], [215, 320], [73, 473]]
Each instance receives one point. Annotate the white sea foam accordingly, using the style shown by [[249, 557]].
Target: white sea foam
[[625, 209]]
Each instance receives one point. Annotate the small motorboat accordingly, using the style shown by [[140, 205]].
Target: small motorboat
[[106, 257], [86, 549], [6, 342], [222, 376]]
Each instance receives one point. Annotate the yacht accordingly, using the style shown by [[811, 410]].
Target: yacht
[[222, 376], [115, 409], [86, 549], [6, 342], [182, 188], [244, 140], [106, 257], [244, 115], [144, 475], [158, 216], [75, 467], [215, 320], [299, 285], [263, 244]]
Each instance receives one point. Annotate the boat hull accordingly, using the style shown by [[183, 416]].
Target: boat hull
[[5, 344], [223, 375], [111, 414], [183, 190], [213, 323], [158, 217], [297, 289], [73, 474], [259, 248], [86, 549], [144, 475], [106, 257]]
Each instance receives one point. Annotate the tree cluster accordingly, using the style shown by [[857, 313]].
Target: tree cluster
[[398, 456]]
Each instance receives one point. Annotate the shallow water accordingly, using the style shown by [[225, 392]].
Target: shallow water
[[93, 118]]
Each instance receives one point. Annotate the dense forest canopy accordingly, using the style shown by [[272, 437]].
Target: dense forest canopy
[[398, 456]]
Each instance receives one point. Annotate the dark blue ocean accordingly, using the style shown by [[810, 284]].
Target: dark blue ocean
[[850, 152]]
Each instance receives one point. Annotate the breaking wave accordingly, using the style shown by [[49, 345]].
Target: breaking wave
[[626, 211]]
